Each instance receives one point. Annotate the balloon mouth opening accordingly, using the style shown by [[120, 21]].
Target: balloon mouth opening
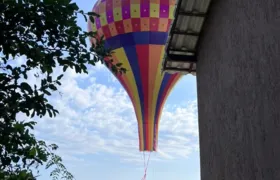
[[148, 137]]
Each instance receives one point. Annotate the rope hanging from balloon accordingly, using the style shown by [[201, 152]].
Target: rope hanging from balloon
[[146, 165]]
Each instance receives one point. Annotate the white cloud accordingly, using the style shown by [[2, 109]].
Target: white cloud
[[96, 118]]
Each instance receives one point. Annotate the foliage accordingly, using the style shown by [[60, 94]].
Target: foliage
[[20, 151], [46, 33]]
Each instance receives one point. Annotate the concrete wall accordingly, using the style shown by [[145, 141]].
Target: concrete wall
[[238, 79]]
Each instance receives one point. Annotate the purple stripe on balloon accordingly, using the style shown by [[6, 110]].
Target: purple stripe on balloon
[[126, 12], [110, 16], [145, 10], [155, 138], [164, 11], [98, 23]]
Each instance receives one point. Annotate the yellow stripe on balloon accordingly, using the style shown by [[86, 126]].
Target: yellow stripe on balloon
[[159, 78], [103, 19], [135, 10], [171, 12], [117, 14], [93, 26], [154, 10], [130, 80]]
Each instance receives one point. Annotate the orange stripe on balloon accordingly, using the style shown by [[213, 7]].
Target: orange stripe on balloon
[[154, 62]]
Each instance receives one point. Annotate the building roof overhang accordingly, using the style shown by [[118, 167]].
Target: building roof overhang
[[180, 52]]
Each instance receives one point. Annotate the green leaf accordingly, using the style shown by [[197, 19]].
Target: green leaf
[[32, 152], [19, 127], [33, 114], [52, 87], [74, 6], [30, 124], [46, 92], [50, 113], [26, 87], [119, 64], [65, 68], [15, 159], [93, 14], [92, 19], [49, 78], [78, 69], [85, 17], [25, 75], [59, 77]]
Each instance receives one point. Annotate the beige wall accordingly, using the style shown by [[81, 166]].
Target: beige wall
[[238, 78]]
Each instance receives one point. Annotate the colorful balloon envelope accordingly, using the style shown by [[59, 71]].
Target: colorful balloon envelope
[[137, 31]]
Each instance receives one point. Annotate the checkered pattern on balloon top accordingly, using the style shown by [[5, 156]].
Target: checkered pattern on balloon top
[[125, 16]]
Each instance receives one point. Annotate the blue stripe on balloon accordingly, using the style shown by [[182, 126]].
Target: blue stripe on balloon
[[141, 39], [131, 54], [136, 38], [158, 38], [164, 83]]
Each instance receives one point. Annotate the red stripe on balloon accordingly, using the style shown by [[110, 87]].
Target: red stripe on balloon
[[143, 60]]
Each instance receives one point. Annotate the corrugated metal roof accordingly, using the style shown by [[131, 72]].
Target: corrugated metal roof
[[183, 36]]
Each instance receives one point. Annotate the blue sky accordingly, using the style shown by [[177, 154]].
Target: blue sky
[[98, 140]]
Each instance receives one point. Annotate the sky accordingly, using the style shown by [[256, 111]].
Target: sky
[[96, 129]]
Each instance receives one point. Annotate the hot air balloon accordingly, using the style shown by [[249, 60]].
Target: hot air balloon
[[137, 31]]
